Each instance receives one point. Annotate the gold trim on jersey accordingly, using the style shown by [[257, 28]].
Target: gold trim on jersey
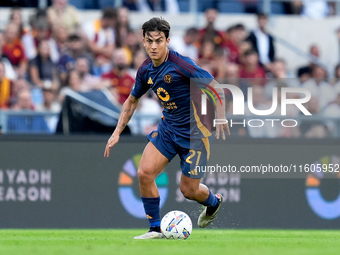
[[200, 126], [207, 146]]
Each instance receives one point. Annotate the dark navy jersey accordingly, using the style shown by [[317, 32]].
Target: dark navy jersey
[[171, 83]]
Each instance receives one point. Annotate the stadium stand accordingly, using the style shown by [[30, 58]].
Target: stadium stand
[[222, 48]]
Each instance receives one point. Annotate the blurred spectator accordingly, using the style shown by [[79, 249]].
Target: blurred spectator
[[235, 36], [16, 18], [73, 83], [133, 45], [62, 12], [318, 86], [209, 33], [279, 77], [292, 113], [18, 85], [231, 76], [332, 111], [6, 89], [187, 44], [207, 57], [305, 72], [14, 50], [122, 27], [88, 81], [333, 108], [40, 31], [207, 52], [75, 49], [101, 39], [9, 71], [24, 100], [26, 123], [50, 104], [313, 128], [42, 70], [243, 48], [260, 102], [138, 60], [119, 81], [262, 41], [251, 71], [59, 42], [219, 63], [278, 69]]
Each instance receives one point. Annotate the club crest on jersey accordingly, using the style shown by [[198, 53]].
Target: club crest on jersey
[[163, 94], [167, 78]]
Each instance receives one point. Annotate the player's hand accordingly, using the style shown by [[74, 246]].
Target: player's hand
[[110, 143], [220, 128]]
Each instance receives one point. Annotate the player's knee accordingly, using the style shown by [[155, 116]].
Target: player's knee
[[188, 192], [144, 176]]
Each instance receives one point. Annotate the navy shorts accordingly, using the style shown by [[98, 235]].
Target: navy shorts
[[194, 153]]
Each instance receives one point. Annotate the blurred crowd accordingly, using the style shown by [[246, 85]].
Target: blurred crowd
[[307, 8], [57, 53]]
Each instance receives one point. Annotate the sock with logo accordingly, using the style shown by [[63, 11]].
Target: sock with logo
[[151, 207]]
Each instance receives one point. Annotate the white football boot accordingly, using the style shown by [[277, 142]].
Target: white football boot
[[204, 219], [150, 235]]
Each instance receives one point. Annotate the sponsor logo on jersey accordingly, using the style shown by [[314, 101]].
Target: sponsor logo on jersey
[[163, 94]]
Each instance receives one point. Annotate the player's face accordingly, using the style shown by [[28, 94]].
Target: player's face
[[156, 45]]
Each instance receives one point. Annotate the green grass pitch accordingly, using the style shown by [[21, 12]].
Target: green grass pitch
[[213, 242]]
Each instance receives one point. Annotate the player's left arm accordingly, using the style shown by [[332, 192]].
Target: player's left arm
[[220, 111]]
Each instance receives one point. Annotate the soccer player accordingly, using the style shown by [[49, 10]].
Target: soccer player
[[181, 130]]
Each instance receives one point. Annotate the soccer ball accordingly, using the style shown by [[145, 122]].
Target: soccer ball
[[176, 225]]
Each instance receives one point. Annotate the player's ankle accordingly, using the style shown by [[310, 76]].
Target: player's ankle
[[155, 229], [212, 209]]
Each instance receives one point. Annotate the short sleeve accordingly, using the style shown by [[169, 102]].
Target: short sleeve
[[141, 87]]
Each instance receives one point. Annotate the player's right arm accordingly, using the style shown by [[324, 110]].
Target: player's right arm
[[128, 109]]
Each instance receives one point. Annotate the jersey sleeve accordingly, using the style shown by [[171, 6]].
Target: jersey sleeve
[[141, 87]]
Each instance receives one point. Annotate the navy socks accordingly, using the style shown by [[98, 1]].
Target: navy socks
[[211, 200], [151, 207]]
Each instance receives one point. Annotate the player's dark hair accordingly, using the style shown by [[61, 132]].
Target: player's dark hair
[[158, 25]]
